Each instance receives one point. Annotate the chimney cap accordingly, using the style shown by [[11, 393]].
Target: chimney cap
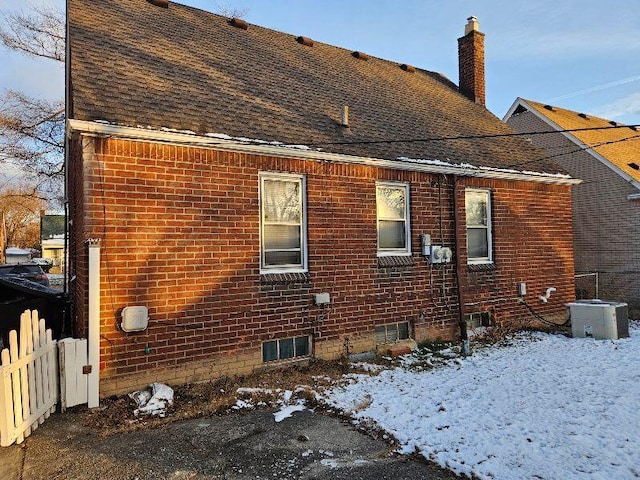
[[472, 25]]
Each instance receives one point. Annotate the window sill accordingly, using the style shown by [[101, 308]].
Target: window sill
[[283, 278], [297, 361], [395, 261], [481, 267]]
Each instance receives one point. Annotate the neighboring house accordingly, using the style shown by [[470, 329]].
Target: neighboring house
[[260, 222], [14, 255], [52, 239], [53, 251], [606, 206]]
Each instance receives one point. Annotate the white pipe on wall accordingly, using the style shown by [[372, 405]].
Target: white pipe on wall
[[93, 382]]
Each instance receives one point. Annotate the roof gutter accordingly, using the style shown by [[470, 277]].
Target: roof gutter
[[99, 129]]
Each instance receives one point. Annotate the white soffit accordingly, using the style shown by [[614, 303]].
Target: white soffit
[[102, 129]]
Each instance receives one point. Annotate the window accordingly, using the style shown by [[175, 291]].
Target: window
[[478, 212], [285, 348], [392, 202], [478, 319], [282, 223], [392, 332]]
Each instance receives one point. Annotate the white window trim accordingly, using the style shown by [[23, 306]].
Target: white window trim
[[395, 252], [262, 176], [489, 259]]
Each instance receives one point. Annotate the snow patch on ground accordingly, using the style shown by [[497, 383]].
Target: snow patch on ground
[[545, 406], [285, 400], [287, 411]]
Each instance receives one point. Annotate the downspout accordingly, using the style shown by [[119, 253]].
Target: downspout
[[93, 380], [67, 110], [462, 323]]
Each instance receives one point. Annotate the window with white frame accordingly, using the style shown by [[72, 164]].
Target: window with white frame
[[282, 223], [478, 216], [392, 206]]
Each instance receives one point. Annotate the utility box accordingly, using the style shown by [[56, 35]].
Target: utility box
[[134, 319], [599, 319]]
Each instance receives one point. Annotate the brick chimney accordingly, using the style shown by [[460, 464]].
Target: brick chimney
[[471, 62]]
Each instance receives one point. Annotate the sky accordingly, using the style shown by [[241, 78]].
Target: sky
[[576, 54]]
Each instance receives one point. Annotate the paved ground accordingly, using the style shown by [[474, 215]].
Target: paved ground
[[233, 447]]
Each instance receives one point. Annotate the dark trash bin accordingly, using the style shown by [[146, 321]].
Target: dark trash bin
[[18, 295]]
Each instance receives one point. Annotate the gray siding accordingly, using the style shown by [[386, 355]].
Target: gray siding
[[606, 225]]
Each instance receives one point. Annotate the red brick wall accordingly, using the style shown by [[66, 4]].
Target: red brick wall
[[180, 234], [471, 66]]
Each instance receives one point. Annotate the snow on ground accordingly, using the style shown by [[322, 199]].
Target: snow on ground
[[545, 406]]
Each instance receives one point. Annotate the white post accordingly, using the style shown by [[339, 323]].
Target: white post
[[94, 323]]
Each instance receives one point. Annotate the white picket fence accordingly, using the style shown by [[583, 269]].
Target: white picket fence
[[72, 354], [28, 380]]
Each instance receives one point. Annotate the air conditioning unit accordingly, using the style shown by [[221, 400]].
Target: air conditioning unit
[[599, 319]]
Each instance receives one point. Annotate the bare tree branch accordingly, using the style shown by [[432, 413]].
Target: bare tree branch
[[21, 208], [39, 33], [32, 129], [32, 137], [228, 11]]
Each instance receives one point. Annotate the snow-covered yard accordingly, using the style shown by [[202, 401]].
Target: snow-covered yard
[[545, 406]]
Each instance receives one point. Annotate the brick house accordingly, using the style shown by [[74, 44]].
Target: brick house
[[606, 215], [268, 198]]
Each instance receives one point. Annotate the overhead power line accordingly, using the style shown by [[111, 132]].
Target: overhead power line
[[475, 137], [569, 152]]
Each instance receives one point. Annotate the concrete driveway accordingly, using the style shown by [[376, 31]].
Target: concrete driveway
[[235, 446]]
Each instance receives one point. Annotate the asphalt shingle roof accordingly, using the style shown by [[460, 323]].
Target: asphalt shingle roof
[[133, 63], [620, 146]]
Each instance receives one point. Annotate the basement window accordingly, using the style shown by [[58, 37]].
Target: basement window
[[392, 332], [478, 319], [285, 349]]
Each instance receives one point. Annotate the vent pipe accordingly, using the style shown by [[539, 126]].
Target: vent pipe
[[345, 116], [239, 23], [307, 42], [159, 3], [360, 56]]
